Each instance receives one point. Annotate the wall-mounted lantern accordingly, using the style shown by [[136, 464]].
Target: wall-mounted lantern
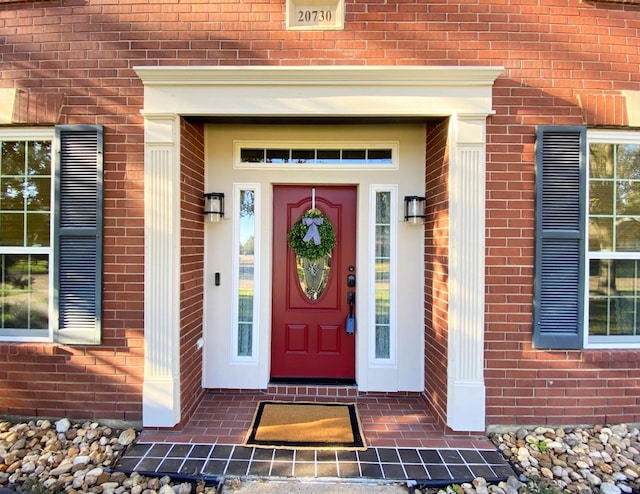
[[414, 209], [214, 206]]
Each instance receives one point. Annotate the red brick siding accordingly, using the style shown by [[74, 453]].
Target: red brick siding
[[192, 264], [85, 52], [437, 269]]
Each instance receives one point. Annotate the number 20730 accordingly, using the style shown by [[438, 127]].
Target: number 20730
[[313, 16]]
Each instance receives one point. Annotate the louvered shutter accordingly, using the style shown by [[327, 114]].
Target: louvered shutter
[[561, 180], [78, 234]]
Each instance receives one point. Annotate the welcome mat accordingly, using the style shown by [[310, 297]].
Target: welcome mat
[[301, 425]]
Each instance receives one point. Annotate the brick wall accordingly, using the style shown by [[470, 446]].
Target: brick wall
[[437, 270], [192, 264], [84, 52]]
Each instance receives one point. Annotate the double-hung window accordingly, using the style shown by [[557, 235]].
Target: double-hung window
[[50, 234], [614, 237], [26, 184], [587, 269]]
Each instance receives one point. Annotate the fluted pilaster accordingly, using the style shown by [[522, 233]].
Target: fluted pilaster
[[161, 388], [466, 389]]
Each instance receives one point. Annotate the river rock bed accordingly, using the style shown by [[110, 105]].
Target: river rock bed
[[599, 459], [43, 456]]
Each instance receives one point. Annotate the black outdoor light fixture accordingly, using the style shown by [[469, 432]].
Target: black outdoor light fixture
[[414, 209], [214, 206]]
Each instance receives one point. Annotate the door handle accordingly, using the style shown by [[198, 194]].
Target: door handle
[[351, 299]]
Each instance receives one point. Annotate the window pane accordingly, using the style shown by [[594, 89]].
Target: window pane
[[252, 155], [383, 276], [244, 340], [628, 197], [628, 161], [614, 297], [277, 155], [628, 236], [382, 293], [13, 158], [383, 208], [302, 155], [38, 230], [354, 154], [601, 197], [327, 156], [380, 155], [313, 275], [12, 229], [39, 158], [24, 291], [601, 234], [383, 245], [246, 285], [37, 192], [12, 194], [382, 342], [601, 160]]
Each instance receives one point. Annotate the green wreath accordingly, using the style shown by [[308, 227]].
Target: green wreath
[[303, 238]]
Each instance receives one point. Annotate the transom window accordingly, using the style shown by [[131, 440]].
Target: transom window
[[312, 155], [614, 237]]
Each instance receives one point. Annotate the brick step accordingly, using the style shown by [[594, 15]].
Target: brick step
[[315, 390]]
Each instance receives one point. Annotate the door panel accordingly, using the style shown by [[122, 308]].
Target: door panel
[[309, 338]]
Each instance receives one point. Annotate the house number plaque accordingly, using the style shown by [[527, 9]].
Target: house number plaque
[[315, 14]]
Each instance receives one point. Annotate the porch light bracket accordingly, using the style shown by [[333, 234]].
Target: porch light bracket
[[414, 209], [214, 206]]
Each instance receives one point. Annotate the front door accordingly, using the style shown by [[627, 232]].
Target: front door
[[313, 299]]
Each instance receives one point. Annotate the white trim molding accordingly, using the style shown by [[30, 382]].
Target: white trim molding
[[464, 94], [318, 91]]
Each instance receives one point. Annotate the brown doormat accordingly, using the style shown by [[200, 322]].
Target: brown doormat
[[301, 425]]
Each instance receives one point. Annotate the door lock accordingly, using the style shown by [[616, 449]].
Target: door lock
[[351, 280]]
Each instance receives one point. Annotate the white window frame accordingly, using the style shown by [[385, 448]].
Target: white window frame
[[609, 342], [238, 145], [237, 189], [374, 361], [43, 335]]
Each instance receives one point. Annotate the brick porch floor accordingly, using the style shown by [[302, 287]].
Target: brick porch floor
[[404, 443], [388, 420]]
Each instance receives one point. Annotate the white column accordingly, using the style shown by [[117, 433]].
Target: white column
[[465, 386], [161, 387]]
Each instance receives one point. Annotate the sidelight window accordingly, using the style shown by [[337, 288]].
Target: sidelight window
[[383, 247], [246, 269]]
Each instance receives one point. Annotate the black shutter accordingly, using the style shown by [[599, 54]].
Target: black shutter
[[78, 234], [561, 181]]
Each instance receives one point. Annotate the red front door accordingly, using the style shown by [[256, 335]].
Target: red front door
[[310, 302]]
